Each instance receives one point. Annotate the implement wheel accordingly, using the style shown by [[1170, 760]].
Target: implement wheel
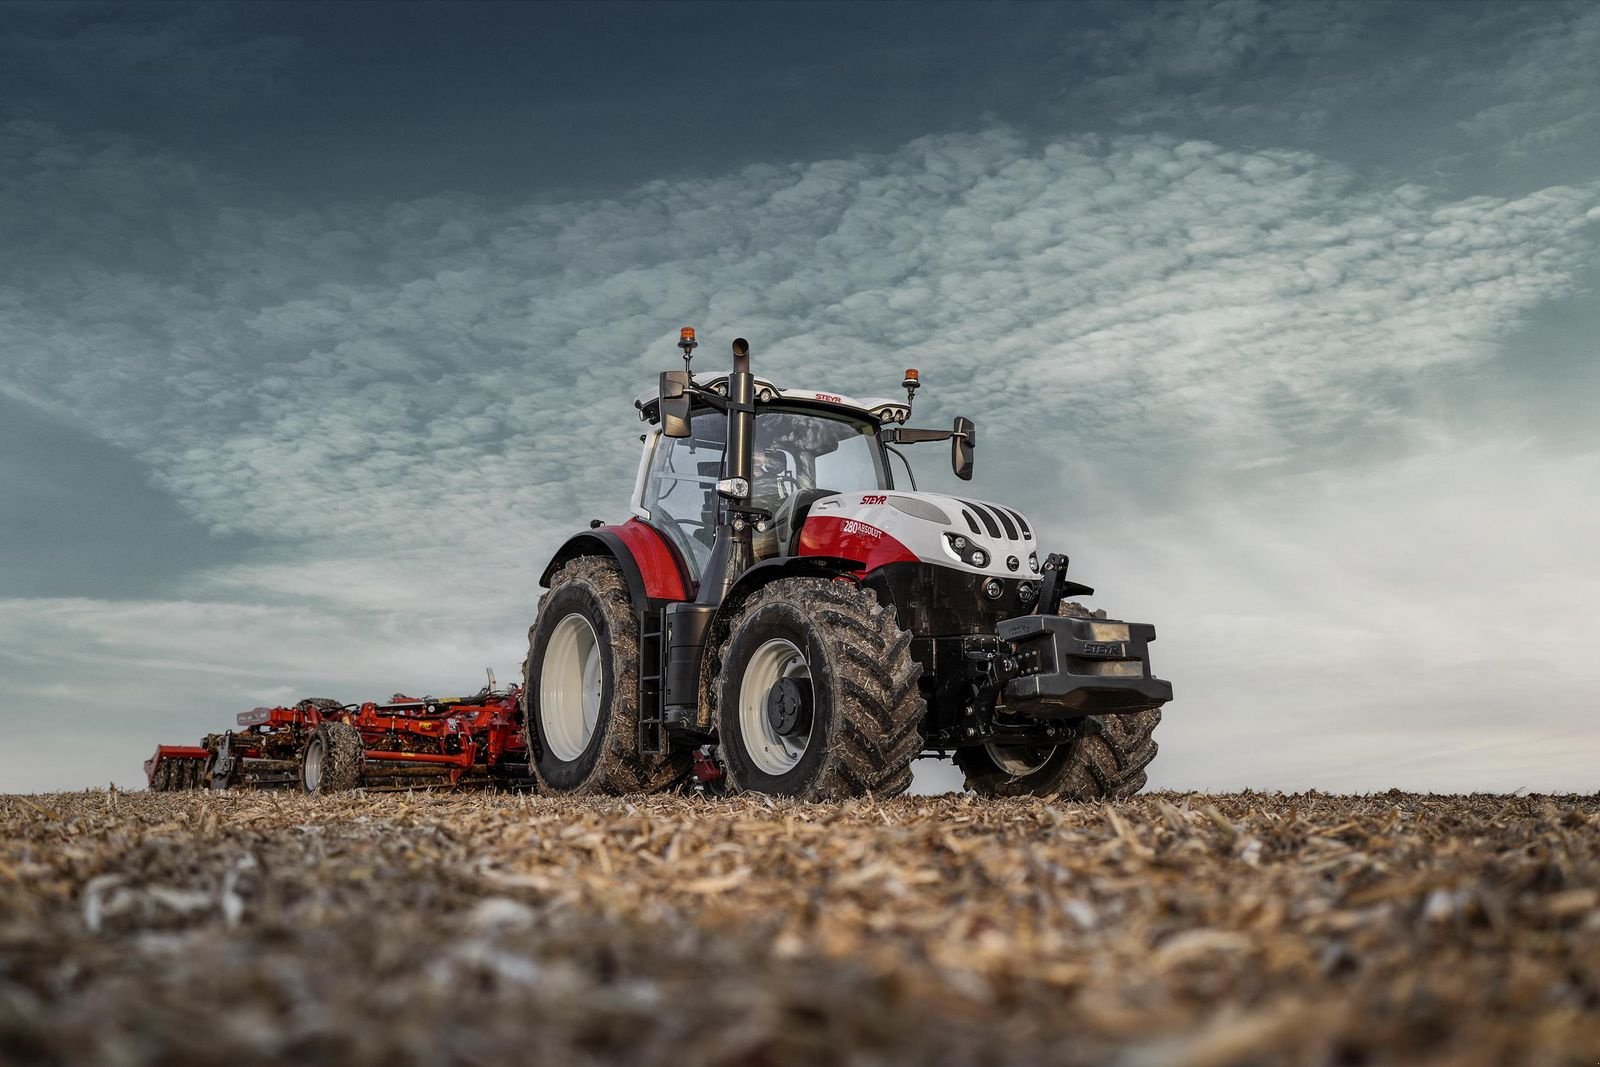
[[332, 760], [817, 694], [581, 688]]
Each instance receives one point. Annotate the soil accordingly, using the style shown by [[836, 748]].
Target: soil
[[241, 928]]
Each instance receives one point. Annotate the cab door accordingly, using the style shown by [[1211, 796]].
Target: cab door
[[678, 495]]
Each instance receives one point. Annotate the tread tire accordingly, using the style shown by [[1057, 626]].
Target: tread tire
[[343, 754], [611, 762], [1104, 759], [868, 705]]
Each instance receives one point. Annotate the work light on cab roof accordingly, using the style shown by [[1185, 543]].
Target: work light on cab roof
[[780, 614]]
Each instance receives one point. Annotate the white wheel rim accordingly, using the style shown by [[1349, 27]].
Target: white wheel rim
[[769, 750], [570, 684], [1020, 760], [314, 766]]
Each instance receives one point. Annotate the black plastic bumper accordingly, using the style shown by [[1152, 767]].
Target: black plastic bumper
[[1069, 666]]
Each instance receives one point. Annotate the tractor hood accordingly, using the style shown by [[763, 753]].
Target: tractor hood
[[894, 527]]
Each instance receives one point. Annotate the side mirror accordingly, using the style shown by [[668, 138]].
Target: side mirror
[[965, 439], [674, 403]]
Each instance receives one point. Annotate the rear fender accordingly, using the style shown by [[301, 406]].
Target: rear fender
[[650, 564]]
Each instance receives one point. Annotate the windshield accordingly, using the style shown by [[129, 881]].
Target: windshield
[[793, 451], [799, 450]]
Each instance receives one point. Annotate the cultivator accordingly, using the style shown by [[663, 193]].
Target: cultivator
[[323, 746]]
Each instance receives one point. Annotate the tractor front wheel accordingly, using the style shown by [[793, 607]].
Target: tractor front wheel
[[581, 688], [1106, 758], [332, 760], [817, 694]]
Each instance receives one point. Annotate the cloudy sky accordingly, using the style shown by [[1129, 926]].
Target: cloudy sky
[[319, 327]]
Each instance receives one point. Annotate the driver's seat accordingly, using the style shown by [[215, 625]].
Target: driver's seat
[[791, 517]]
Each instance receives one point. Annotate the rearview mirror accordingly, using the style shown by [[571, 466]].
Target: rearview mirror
[[961, 445], [674, 403]]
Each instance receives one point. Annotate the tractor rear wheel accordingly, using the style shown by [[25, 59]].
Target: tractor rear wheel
[[1105, 758], [817, 694], [332, 760], [581, 688]]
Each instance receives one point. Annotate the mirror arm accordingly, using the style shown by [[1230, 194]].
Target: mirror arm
[[906, 435], [710, 399]]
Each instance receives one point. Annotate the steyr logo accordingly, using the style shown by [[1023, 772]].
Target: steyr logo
[[830, 398], [872, 498], [1091, 649]]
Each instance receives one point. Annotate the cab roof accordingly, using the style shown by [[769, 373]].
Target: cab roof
[[878, 409]]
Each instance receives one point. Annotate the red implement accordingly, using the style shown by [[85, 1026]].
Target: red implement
[[322, 746]]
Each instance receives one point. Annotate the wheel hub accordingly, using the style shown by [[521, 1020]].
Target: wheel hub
[[775, 706], [571, 686], [1018, 761], [789, 707], [314, 765]]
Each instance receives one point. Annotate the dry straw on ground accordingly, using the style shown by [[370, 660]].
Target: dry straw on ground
[[260, 929]]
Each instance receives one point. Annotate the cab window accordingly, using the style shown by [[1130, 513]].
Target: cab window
[[799, 450], [680, 490]]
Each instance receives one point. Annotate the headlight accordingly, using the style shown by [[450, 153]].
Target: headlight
[[960, 547]]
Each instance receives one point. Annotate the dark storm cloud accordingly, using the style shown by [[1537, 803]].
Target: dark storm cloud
[[135, 64], [1482, 98], [80, 520]]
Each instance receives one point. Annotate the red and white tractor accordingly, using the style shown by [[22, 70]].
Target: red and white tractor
[[778, 615]]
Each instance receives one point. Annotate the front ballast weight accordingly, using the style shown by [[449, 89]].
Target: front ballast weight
[[778, 615], [1064, 667]]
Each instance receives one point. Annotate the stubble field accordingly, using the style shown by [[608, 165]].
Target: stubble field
[[425, 929]]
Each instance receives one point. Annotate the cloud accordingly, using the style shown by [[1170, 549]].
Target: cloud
[[409, 404], [1547, 92], [1495, 98], [350, 366], [171, 57], [1422, 618]]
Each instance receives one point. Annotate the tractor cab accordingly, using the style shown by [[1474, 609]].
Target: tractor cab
[[801, 454]]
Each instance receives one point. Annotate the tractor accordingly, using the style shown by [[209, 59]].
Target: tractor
[[778, 616]]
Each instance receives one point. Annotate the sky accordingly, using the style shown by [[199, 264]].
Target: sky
[[320, 327]]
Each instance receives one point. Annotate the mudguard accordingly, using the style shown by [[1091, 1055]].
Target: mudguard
[[651, 565]]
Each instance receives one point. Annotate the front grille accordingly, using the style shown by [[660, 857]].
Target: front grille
[[988, 519], [994, 517]]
